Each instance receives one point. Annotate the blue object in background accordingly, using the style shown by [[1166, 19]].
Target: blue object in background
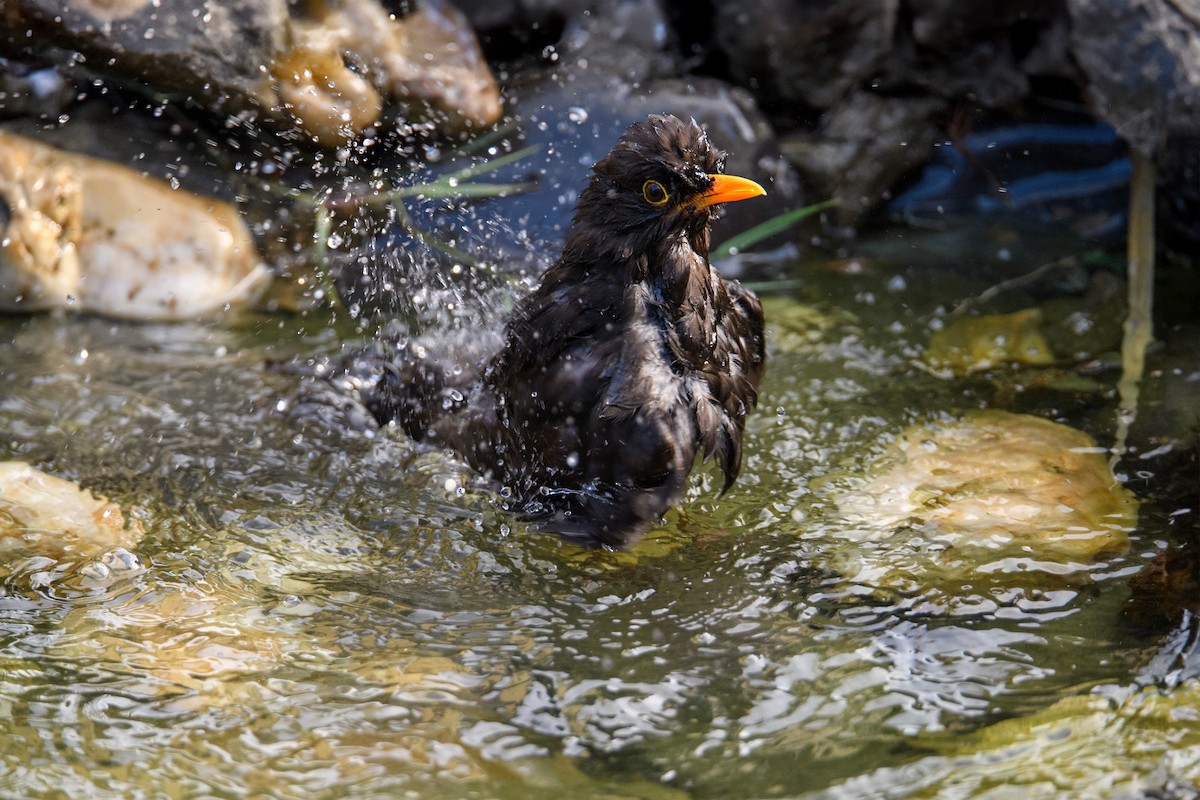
[[1074, 174]]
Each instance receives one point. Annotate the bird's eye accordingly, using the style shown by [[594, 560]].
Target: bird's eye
[[654, 193]]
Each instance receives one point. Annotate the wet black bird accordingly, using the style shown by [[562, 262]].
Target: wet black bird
[[631, 357]]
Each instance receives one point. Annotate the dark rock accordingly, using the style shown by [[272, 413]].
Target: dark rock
[[33, 89], [984, 73], [213, 50], [811, 53], [863, 146], [1179, 194], [947, 25], [1142, 62], [630, 39], [493, 15], [1166, 592], [1046, 53], [328, 71]]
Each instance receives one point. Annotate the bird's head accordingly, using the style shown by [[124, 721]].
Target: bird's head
[[662, 178]]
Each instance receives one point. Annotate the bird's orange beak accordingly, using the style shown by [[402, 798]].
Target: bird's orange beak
[[728, 188]]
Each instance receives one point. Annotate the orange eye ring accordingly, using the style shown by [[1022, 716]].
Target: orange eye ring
[[655, 194]]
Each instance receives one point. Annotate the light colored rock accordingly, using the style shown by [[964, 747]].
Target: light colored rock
[[1135, 741], [329, 101], [995, 484], [89, 235], [43, 514], [428, 63]]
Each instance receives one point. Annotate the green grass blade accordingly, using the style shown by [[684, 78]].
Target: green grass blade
[[440, 190], [491, 165], [766, 230]]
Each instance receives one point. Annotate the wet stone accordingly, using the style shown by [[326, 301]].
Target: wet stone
[[52, 517], [88, 235], [978, 344], [326, 69], [997, 491]]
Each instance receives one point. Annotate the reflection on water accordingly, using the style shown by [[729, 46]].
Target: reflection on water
[[328, 612]]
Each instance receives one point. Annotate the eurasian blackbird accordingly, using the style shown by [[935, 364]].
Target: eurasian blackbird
[[632, 356]]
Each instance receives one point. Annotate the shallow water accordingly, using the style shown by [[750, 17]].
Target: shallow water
[[329, 613]]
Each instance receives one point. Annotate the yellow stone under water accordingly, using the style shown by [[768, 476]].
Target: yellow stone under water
[[995, 485], [1125, 744], [977, 344]]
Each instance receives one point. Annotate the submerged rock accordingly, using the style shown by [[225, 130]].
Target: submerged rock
[[994, 486], [49, 516], [978, 344], [88, 235], [1135, 741]]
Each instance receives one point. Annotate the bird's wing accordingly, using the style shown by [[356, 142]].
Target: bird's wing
[[730, 381]]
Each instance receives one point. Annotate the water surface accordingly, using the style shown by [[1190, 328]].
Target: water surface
[[330, 613]]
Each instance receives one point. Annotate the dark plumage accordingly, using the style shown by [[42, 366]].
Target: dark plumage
[[630, 358]]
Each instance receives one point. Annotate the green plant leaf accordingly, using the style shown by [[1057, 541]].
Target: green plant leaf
[[443, 189], [765, 230], [491, 164]]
